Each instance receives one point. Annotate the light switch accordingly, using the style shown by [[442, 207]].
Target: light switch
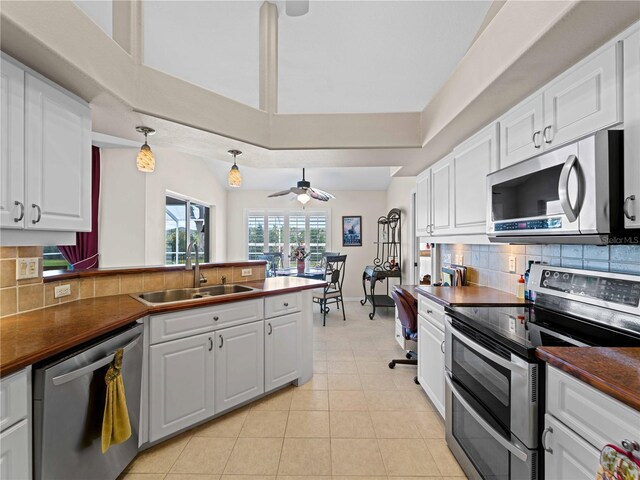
[[27, 268]]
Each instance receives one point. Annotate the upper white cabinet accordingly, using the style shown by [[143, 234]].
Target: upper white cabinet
[[632, 131], [472, 161], [585, 99], [281, 350], [441, 201], [423, 203], [521, 131], [46, 155]]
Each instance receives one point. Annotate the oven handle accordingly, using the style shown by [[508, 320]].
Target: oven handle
[[514, 449], [480, 349]]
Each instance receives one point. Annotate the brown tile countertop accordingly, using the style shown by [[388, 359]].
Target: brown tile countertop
[[30, 337], [614, 371], [476, 296]]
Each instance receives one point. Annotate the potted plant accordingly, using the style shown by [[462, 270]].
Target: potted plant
[[299, 254]]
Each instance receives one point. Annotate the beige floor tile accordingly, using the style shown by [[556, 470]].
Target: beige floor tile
[[394, 425], [247, 477], [351, 425], [404, 381], [265, 423], [365, 355], [347, 400], [204, 455], [356, 457], [190, 476], [339, 343], [228, 425], [308, 424], [280, 400], [146, 476], [447, 463], [338, 367], [320, 355], [407, 457], [160, 458], [319, 367], [305, 456], [340, 355], [429, 424], [319, 346], [304, 477], [344, 382], [319, 381], [374, 368], [254, 456], [358, 477], [378, 382], [310, 400], [396, 401]]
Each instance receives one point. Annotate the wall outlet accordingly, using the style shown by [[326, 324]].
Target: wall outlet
[[512, 264], [62, 291], [459, 259], [246, 272], [27, 268]]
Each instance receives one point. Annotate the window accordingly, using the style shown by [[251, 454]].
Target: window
[[52, 259], [285, 230], [178, 229]]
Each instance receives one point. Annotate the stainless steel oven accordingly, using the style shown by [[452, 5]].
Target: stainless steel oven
[[568, 194], [491, 405]]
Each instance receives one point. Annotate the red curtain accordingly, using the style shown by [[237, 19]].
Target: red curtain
[[84, 254]]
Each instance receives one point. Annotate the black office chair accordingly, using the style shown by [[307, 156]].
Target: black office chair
[[408, 315], [332, 292], [274, 260]]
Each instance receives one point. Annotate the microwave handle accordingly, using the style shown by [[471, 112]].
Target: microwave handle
[[563, 188], [514, 449]]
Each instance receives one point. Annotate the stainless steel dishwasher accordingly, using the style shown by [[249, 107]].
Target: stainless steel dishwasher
[[68, 405]]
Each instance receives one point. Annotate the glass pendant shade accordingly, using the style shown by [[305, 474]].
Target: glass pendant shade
[[234, 179], [303, 198], [146, 161]]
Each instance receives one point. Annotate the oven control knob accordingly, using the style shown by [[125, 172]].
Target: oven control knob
[[547, 273], [565, 276], [556, 274], [545, 283]]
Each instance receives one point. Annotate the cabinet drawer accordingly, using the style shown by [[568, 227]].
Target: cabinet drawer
[[282, 304], [431, 310], [596, 417], [184, 323], [14, 399], [15, 452]]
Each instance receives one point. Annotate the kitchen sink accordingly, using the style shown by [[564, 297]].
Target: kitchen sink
[[190, 294]]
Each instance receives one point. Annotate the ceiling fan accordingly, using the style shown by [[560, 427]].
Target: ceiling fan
[[304, 192]]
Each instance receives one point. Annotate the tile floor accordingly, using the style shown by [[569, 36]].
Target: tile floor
[[356, 419]]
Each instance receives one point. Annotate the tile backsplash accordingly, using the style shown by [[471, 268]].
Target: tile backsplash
[[488, 265]]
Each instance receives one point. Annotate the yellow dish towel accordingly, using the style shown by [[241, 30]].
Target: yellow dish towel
[[116, 427]]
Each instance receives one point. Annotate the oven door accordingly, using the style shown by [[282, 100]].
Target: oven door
[[484, 449], [505, 384]]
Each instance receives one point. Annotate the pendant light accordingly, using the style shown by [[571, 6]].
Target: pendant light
[[146, 161], [234, 179]]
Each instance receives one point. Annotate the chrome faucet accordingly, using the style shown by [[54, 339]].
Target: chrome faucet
[[198, 278]]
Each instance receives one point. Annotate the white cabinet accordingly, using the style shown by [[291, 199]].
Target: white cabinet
[[281, 350], [431, 361], [567, 456], [632, 130], [423, 203], [181, 384], [282, 304], [441, 199], [12, 146], [14, 452], [521, 131], [239, 368], [472, 161], [585, 99]]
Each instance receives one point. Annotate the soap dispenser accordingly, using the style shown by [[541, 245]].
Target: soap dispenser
[[521, 287]]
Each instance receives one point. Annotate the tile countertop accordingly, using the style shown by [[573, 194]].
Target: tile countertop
[[476, 296], [31, 337], [613, 371]]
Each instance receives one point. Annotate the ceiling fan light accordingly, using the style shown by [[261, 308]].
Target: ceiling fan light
[[234, 179], [145, 161], [303, 198]]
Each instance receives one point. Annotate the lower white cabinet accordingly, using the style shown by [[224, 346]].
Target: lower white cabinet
[[14, 452], [181, 384], [567, 456], [239, 364], [431, 361], [281, 350]]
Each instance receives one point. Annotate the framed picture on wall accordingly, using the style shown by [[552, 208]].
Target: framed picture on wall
[[352, 231]]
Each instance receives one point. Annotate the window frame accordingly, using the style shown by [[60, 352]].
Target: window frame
[[207, 233]]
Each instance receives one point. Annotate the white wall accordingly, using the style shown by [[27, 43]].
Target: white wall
[[132, 218], [399, 196], [369, 204]]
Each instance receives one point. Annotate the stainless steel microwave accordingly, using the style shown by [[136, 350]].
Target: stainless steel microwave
[[569, 195]]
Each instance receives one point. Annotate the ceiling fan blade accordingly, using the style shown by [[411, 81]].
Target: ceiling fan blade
[[279, 194], [298, 191], [321, 193]]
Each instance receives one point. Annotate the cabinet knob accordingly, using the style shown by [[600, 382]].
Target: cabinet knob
[[442, 347], [39, 210], [210, 343], [221, 341], [286, 304], [21, 216], [533, 139], [544, 134], [625, 207], [544, 437], [216, 318], [429, 311], [270, 329]]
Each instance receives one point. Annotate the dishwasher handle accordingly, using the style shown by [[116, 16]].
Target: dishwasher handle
[[68, 377]]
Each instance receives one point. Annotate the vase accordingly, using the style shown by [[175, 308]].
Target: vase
[[300, 265]]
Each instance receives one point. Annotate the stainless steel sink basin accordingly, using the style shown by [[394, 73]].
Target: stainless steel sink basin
[[189, 294]]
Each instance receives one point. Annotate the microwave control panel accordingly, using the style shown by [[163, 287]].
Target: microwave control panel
[[624, 292], [540, 224]]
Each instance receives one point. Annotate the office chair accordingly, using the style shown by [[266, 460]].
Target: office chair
[[408, 315], [332, 292]]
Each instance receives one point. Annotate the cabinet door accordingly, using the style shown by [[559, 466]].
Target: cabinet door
[[423, 203], [57, 159], [472, 162], [431, 362], [12, 146], [521, 132], [585, 99], [181, 384], [632, 131], [567, 456], [239, 364], [15, 459], [441, 197], [281, 350]]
